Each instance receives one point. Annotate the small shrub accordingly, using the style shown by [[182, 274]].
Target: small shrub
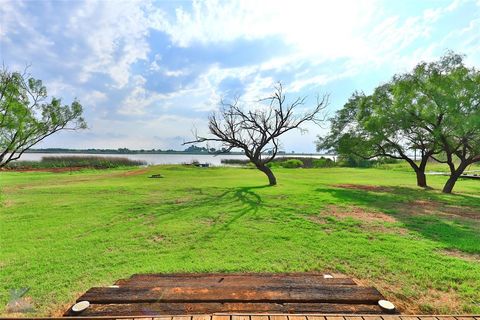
[[323, 163], [292, 163], [242, 162], [274, 164]]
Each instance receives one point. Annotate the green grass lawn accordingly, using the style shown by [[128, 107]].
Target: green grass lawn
[[62, 233]]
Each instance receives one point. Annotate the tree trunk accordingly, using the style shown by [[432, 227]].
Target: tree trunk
[[419, 170], [271, 177], [421, 178], [454, 175], [448, 187]]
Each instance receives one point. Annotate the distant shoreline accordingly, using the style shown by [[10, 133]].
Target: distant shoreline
[[60, 151]]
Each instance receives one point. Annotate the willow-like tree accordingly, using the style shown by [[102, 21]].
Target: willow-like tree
[[434, 109], [256, 129], [448, 95], [27, 115], [376, 125]]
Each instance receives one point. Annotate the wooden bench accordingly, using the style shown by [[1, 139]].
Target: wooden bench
[[179, 294]]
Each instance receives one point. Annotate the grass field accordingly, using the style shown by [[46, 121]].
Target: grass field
[[62, 233]]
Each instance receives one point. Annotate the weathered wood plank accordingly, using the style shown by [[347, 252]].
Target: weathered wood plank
[[258, 317], [373, 318], [227, 274], [182, 318], [155, 309], [220, 317], [332, 294], [201, 317], [335, 318], [240, 317], [162, 318], [390, 317], [278, 317], [250, 281], [353, 318], [315, 318], [297, 317]]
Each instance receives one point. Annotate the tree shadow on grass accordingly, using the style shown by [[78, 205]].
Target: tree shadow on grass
[[240, 201], [422, 211]]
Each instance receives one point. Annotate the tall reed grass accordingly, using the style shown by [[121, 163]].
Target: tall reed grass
[[52, 162]]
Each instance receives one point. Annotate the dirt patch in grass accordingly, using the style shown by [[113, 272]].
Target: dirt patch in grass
[[7, 203], [182, 200], [462, 255], [364, 187], [157, 238], [135, 172], [358, 213], [427, 207], [370, 221]]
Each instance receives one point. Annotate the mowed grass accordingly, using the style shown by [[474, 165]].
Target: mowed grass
[[62, 233]]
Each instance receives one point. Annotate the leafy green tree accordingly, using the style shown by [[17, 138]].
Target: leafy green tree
[[27, 116], [372, 126], [435, 109], [448, 93]]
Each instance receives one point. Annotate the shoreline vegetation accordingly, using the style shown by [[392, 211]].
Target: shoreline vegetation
[[74, 163]]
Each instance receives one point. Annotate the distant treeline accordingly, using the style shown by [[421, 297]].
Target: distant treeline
[[75, 162], [190, 150]]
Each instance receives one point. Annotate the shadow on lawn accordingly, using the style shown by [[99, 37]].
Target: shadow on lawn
[[241, 201], [426, 212]]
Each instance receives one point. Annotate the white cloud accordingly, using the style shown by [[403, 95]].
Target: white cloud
[[175, 73], [148, 133], [109, 51], [93, 99], [325, 28], [115, 35], [15, 22]]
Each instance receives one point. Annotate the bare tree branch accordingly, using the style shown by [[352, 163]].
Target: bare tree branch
[[256, 130]]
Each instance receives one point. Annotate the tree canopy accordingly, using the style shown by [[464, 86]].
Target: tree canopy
[[27, 115], [432, 110], [448, 93]]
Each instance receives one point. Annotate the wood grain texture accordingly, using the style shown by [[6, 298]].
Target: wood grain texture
[[225, 281], [321, 293], [245, 295], [297, 317]]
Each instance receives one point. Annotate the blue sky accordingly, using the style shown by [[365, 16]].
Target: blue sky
[[148, 72]]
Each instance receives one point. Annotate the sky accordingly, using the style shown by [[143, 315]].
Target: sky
[[148, 72]]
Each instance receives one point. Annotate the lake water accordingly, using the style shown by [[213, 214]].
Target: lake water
[[158, 158]]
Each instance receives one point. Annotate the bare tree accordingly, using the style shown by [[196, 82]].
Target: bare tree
[[256, 130]]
